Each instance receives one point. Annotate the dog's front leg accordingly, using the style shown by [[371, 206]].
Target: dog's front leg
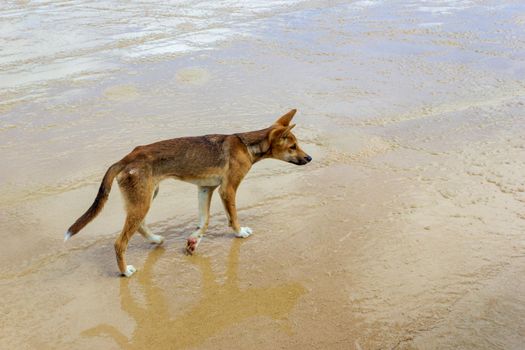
[[205, 194], [227, 194]]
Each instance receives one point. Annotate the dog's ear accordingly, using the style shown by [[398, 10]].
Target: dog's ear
[[286, 119], [280, 132], [287, 130]]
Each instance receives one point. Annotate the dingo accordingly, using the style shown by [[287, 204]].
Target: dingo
[[207, 161]]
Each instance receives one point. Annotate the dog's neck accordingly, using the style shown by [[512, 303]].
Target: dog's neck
[[257, 143]]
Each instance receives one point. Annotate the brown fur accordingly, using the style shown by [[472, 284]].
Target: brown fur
[[208, 161]]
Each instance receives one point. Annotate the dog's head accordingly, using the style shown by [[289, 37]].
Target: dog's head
[[283, 143]]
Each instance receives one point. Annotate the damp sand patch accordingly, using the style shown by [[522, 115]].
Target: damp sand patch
[[193, 76], [125, 92]]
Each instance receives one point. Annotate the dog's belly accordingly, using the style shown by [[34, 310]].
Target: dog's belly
[[206, 181]]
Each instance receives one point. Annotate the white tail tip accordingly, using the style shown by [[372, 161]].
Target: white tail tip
[[67, 236]]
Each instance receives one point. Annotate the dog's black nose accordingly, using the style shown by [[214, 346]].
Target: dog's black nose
[[308, 159]]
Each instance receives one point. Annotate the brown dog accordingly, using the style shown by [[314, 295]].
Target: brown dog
[[207, 161]]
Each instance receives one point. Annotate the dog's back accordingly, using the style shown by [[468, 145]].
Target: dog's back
[[184, 157]]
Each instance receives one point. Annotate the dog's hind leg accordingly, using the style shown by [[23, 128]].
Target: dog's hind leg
[[137, 187], [133, 221], [150, 237], [205, 194], [145, 231]]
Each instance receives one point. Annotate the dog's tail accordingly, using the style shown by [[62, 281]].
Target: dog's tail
[[98, 204]]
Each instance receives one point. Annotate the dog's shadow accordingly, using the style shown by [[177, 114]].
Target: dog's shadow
[[222, 305]]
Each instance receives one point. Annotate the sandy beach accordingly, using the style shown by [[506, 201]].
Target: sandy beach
[[406, 231]]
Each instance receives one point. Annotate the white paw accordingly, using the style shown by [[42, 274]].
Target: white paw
[[244, 232], [130, 270], [157, 239]]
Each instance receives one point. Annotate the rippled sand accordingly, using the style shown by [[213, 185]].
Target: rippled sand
[[405, 232]]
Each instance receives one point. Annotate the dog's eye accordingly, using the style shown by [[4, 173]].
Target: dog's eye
[[293, 147]]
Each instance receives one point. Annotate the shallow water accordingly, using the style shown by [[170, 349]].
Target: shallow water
[[405, 232]]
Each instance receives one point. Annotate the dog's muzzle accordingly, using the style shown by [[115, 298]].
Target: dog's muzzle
[[302, 161]]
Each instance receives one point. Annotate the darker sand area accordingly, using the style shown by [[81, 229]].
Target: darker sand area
[[406, 231]]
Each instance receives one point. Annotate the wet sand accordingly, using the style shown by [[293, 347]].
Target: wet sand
[[405, 232]]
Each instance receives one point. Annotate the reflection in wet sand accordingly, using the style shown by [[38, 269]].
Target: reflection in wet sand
[[221, 306]]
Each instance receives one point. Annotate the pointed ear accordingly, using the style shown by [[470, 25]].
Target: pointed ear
[[286, 119], [287, 130], [279, 132]]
